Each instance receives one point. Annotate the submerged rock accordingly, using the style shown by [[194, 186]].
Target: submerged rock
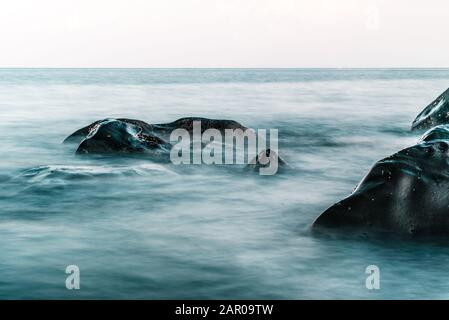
[[187, 123], [267, 160], [434, 114], [407, 192]]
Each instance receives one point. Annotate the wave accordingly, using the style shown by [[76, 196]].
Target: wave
[[74, 172]]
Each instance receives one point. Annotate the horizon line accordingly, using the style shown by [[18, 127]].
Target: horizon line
[[249, 68]]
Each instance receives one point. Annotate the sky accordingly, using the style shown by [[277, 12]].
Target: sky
[[224, 33]]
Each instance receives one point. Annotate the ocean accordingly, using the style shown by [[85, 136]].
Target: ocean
[[139, 229]]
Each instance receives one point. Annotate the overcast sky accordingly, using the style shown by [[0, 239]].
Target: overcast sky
[[224, 33]]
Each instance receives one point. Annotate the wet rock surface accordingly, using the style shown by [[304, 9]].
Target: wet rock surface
[[136, 136], [434, 114], [129, 136], [407, 192]]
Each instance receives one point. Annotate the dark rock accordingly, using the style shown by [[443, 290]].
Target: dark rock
[[115, 136], [407, 192], [434, 114], [265, 159], [162, 130], [187, 123], [128, 136], [135, 136], [437, 133]]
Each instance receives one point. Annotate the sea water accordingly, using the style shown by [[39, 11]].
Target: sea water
[[148, 230]]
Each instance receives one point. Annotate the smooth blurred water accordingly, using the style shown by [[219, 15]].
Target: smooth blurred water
[[137, 229]]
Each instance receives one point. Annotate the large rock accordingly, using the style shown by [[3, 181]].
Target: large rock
[[115, 136], [407, 192], [434, 114], [128, 136], [135, 136], [82, 133], [161, 130]]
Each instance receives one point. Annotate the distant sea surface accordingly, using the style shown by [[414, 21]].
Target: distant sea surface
[[144, 230]]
